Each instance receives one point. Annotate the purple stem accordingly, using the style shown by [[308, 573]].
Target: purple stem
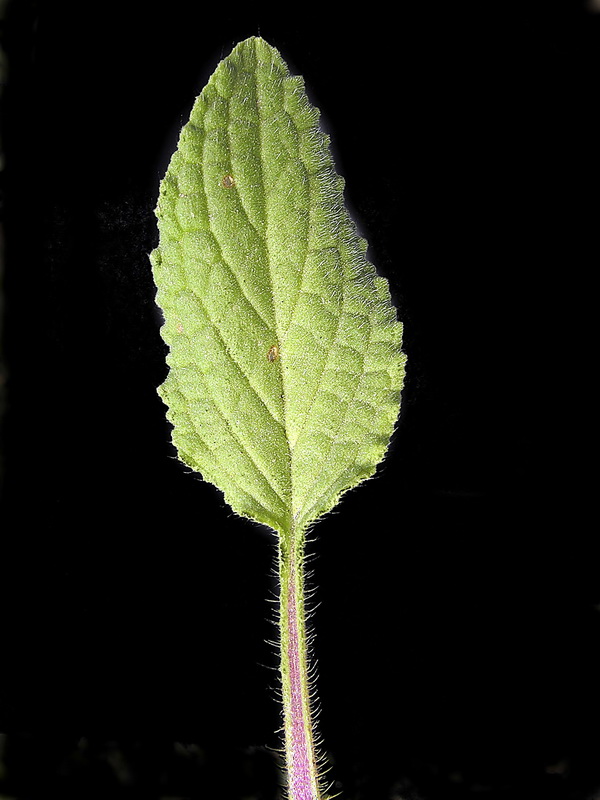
[[301, 767]]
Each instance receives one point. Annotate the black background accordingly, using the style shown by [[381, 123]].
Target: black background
[[458, 641]]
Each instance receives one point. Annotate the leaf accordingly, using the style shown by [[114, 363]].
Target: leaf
[[285, 352]]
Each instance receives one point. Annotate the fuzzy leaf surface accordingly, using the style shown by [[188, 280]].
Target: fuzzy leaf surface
[[285, 352]]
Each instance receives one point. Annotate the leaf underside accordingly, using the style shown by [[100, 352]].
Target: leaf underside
[[285, 352]]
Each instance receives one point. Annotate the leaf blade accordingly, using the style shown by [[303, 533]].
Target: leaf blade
[[285, 353]]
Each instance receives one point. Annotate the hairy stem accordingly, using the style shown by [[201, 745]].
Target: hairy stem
[[300, 752]]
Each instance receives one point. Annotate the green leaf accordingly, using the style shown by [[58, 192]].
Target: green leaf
[[285, 352]]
